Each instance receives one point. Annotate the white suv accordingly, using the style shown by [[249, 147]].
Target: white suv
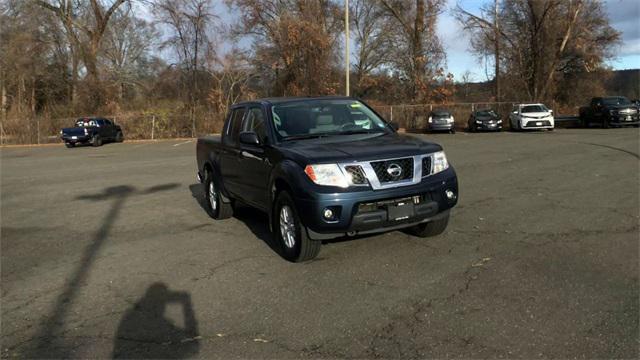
[[531, 116]]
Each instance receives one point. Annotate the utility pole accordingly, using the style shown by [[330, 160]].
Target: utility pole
[[346, 35], [496, 39]]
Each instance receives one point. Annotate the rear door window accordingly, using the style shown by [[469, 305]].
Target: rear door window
[[235, 124]]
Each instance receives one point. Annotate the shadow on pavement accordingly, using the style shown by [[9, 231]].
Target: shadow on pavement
[[50, 343], [146, 333], [256, 220]]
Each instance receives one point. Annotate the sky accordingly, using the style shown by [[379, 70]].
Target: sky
[[624, 16]]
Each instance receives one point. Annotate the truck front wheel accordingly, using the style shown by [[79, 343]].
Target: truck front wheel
[[429, 229], [96, 141], [290, 233], [213, 203]]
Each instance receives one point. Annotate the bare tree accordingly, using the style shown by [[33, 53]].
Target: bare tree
[[190, 23], [373, 41], [416, 24], [127, 44], [85, 32], [540, 40], [295, 42], [486, 25]]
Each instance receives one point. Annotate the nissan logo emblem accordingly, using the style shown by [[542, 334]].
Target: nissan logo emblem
[[394, 170]]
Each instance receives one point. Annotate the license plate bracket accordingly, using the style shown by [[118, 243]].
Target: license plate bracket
[[400, 210]]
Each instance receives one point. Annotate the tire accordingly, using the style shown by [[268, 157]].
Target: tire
[[119, 137], [217, 208], [96, 141], [452, 131], [429, 229], [551, 129], [605, 123], [584, 122], [69, 145], [297, 247]]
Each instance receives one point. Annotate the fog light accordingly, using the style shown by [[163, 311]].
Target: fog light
[[450, 194], [328, 214]]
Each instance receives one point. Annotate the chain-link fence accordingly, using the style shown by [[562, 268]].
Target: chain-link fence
[[43, 129], [415, 117]]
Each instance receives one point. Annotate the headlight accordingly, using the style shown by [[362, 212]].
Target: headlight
[[450, 120], [430, 119], [439, 162], [61, 133], [499, 121], [478, 122], [326, 174], [612, 112]]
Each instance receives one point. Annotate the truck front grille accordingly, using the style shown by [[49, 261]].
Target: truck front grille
[[426, 166], [357, 174], [386, 171]]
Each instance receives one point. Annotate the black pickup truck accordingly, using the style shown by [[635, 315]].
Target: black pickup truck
[[324, 168], [91, 130], [610, 111]]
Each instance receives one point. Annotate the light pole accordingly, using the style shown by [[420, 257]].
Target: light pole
[[346, 35]]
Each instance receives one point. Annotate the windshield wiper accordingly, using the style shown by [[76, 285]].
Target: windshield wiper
[[355, 132], [304, 136]]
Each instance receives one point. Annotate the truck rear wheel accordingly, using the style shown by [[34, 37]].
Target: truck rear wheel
[[96, 140], [290, 233], [119, 137], [429, 229], [216, 208]]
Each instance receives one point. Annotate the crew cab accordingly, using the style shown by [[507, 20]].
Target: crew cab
[[323, 168], [610, 111], [530, 117], [93, 130]]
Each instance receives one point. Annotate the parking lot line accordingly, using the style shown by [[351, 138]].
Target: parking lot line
[[182, 143]]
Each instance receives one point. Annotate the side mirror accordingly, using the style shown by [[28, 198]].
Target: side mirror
[[249, 138], [394, 125], [550, 111]]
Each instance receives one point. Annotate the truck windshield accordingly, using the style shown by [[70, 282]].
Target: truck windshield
[[534, 108], [620, 100], [316, 118], [85, 123]]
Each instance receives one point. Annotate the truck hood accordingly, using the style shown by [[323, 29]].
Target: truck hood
[[347, 148], [536, 115], [623, 108]]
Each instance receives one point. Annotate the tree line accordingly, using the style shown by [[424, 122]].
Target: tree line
[[69, 57]]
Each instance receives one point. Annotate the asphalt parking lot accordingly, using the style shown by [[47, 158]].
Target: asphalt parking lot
[[107, 252]]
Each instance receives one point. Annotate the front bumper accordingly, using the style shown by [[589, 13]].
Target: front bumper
[[381, 214], [537, 124], [488, 126], [440, 127], [75, 139], [624, 119]]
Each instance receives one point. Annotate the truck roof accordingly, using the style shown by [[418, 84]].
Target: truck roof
[[280, 100]]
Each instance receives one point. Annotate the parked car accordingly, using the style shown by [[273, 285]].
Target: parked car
[[441, 120], [530, 117], [320, 171], [91, 130], [487, 120], [610, 111]]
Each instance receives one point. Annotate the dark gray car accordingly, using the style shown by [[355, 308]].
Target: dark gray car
[[441, 120]]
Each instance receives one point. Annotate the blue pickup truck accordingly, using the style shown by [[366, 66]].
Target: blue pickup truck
[[324, 168], [91, 130]]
